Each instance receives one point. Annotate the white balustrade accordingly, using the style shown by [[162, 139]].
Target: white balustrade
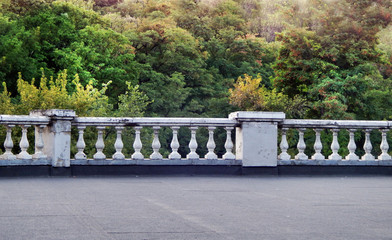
[[24, 144], [137, 145], [352, 146], [8, 144], [318, 146], [384, 146], [11, 121], [100, 145], [301, 125], [229, 155], [118, 145], [335, 146], [367, 146], [193, 144], [301, 145], [211, 144], [39, 145], [156, 124], [80, 145], [284, 146], [156, 145], [54, 140], [335, 126], [174, 155]]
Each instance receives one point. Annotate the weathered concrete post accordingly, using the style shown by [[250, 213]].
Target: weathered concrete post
[[257, 137], [57, 136]]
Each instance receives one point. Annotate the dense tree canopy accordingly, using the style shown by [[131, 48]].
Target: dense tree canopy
[[309, 58]]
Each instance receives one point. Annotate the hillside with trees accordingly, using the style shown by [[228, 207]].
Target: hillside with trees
[[197, 58]]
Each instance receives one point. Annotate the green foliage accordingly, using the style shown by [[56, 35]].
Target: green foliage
[[133, 102], [310, 59], [249, 95], [299, 63], [6, 107], [184, 55], [334, 63], [64, 36], [53, 94], [85, 100]]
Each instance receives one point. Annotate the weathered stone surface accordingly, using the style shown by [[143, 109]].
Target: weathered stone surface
[[57, 136], [254, 144], [256, 138], [346, 124], [257, 116]]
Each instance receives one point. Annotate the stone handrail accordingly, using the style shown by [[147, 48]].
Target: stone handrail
[[24, 120], [344, 124], [150, 122]]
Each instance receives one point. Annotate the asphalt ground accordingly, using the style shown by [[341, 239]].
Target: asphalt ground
[[202, 207]]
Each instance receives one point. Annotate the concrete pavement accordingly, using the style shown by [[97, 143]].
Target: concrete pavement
[[172, 207]]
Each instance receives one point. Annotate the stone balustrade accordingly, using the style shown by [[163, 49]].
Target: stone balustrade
[[174, 158], [256, 140], [11, 122], [335, 127]]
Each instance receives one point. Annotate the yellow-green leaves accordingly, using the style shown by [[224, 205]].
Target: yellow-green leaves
[[6, 107], [249, 95], [53, 93]]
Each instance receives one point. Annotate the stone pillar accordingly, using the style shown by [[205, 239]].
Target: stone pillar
[[257, 138], [57, 136]]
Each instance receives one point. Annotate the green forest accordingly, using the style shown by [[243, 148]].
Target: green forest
[[323, 59]]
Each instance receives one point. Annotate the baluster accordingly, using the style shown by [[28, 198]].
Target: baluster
[[229, 145], [335, 146], [24, 144], [100, 145], [384, 146], [352, 146], [301, 146], [8, 144], [367, 146], [118, 145], [318, 146], [193, 145], [156, 145], [137, 145], [80, 145], [284, 146], [211, 144], [174, 155], [39, 144]]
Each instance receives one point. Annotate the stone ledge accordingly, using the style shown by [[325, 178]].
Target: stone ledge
[[54, 113], [326, 124], [257, 116]]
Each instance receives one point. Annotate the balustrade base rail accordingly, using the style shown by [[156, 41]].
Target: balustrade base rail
[[90, 162], [25, 162], [190, 170], [334, 163], [182, 162], [333, 170]]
